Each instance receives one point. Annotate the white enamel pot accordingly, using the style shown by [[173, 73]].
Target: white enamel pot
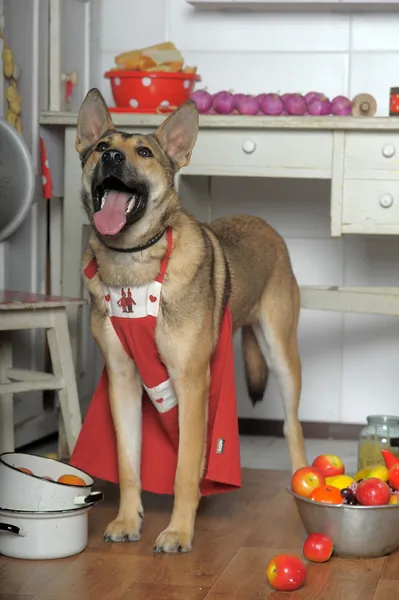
[[43, 535], [21, 491]]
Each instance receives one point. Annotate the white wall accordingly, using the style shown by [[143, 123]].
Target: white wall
[[349, 362]]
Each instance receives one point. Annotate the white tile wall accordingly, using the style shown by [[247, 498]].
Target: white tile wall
[[349, 362]]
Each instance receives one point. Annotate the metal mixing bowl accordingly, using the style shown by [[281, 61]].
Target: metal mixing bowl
[[357, 531]]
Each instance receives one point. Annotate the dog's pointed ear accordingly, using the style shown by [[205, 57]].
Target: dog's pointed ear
[[178, 133], [94, 121]]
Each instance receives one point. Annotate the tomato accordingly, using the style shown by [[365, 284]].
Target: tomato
[[327, 494], [27, 471]]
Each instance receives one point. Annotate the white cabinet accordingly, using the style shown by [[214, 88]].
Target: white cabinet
[[370, 206]]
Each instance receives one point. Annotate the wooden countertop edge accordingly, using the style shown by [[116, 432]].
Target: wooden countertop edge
[[66, 119]]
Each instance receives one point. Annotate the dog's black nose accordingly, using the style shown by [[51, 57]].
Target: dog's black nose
[[113, 156]]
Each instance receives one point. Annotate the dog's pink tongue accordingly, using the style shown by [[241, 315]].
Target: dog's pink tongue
[[111, 218]]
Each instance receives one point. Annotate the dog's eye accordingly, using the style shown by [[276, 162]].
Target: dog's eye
[[102, 146], [144, 152]]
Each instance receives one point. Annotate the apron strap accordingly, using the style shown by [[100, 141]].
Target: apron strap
[[165, 259], [91, 269]]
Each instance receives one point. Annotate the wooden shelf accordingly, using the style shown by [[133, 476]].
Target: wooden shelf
[[68, 119], [298, 5]]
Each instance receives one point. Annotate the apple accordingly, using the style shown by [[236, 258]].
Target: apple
[[329, 465], [318, 548], [394, 477], [394, 499], [286, 573], [305, 480], [373, 492]]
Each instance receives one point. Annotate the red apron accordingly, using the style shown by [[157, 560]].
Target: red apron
[[133, 312]]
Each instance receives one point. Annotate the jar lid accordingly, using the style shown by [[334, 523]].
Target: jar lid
[[385, 419]]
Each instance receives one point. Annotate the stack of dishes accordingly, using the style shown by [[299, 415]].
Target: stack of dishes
[[41, 518]]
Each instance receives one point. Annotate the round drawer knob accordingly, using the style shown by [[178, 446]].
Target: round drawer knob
[[249, 146], [388, 150], [386, 200]]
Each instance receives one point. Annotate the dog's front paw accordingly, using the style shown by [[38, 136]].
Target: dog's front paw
[[124, 530], [173, 541]]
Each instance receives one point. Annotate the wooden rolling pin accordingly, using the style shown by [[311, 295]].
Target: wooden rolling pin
[[364, 105]]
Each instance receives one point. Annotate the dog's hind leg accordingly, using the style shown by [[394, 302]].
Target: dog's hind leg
[[276, 332]]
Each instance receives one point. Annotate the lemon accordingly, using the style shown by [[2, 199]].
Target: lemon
[[340, 481], [379, 471], [362, 474]]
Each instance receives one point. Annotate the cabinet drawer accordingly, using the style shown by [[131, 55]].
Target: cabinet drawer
[[263, 149], [372, 151], [370, 206]]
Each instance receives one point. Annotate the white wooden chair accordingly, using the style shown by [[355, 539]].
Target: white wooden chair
[[20, 311]]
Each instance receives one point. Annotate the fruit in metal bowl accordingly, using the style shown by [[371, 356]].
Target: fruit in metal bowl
[[373, 492], [305, 480]]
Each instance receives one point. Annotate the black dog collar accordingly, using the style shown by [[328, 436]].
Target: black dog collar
[[148, 244]]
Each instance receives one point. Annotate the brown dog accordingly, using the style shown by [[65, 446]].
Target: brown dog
[[238, 260]]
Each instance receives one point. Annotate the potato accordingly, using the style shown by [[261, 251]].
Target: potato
[[8, 62], [14, 99], [11, 118]]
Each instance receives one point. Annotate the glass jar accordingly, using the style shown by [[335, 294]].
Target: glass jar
[[381, 432]]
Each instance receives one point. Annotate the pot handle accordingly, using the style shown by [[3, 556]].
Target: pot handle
[[93, 497], [9, 528]]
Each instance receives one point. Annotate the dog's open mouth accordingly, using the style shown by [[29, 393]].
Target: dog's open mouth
[[115, 204]]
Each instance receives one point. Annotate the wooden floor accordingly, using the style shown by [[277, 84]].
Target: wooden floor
[[236, 536]]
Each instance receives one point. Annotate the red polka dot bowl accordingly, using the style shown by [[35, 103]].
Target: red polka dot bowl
[[150, 92]]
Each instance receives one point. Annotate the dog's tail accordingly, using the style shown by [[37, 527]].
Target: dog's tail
[[256, 369]]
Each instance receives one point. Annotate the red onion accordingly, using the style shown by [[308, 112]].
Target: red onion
[[310, 96], [224, 103], [319, 106], [246, 105], [239, 97], [295, 104], [260, 97], [285, 97], [271, 104], [341, 106], [202, 99]]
